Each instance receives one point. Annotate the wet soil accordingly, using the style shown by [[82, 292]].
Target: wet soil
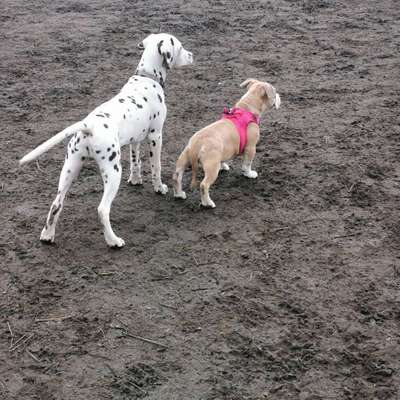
[[289, 289]]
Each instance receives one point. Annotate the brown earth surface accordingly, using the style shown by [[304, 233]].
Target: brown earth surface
[[289, 289]]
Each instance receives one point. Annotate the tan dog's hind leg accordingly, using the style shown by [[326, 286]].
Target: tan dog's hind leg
[[211, 168], [248, 157], [181, 164]]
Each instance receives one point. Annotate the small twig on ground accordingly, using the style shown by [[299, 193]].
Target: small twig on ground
[[12, 334], [20, 343], [33, 356], [195, 260], [3, 387], [107, 273], [58, 319], [38, 166], [168, 306], [122, 383], [344, 236], [128, 334]]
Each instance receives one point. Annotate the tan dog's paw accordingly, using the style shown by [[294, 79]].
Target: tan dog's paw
[[209, 204], [225, 166], [250, 174]]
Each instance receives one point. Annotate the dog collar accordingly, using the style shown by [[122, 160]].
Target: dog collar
[[241, 119], [145, 74]]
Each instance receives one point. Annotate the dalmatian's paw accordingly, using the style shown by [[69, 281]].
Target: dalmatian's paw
[[47, 236], [116, 243], [250, 174], [180, 195], [162, 189], [135, 181]]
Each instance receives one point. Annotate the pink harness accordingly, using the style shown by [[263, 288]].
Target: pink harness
[[241, 119]]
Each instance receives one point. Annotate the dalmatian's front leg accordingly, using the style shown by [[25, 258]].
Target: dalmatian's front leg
[[155, 142], [135, 177]]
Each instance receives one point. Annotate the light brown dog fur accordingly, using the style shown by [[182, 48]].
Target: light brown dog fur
[[219, 142]]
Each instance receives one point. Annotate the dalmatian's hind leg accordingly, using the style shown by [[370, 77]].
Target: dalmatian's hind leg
[[135, 177], [73, 163], [110, 168]]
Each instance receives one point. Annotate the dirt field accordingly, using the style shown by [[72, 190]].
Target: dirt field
[[289, 289]]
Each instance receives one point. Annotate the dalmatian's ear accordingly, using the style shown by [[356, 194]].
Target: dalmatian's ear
[[142, 45], [247, 83], [166, 49]]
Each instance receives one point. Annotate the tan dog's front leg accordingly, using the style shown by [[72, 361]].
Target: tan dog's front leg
[[248, 157]]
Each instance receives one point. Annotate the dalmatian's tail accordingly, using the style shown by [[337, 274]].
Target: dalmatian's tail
[[48, 144]]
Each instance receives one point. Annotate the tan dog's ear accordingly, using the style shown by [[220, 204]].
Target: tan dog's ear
[[272, 95], [248, 82]]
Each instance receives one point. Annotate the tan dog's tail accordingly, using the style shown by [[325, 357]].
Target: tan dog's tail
[[48, 144], [195, 166]]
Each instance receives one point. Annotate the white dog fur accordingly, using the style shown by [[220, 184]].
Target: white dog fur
[[135, 114]]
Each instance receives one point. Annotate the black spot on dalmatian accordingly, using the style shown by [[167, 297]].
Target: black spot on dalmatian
[[87, 149], [113, 145], [121, 100], [105, 126], [78, 140], [107, 115], [98, 151], [85, 125], [154, 116], [113, 155], [154, 86], [151, 154], [116, 167], [100, 115], [150, 118], [83, 158], [155, 72], [139, 106], [159, 98], [144, 98], [69, 171], [124, 116], [158, 112], [153, 130], [172, 42], [160, 43], [168, 54], [56, 209], [144, 130], [103, 158], [109, 148], [153, 143]]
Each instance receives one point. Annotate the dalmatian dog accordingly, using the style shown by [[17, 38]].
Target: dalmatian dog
[[136, 113]]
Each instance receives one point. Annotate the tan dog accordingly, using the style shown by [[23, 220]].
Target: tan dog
[[219, 142]]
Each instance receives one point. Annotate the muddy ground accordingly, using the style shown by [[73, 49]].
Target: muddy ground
[[289, 289]]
